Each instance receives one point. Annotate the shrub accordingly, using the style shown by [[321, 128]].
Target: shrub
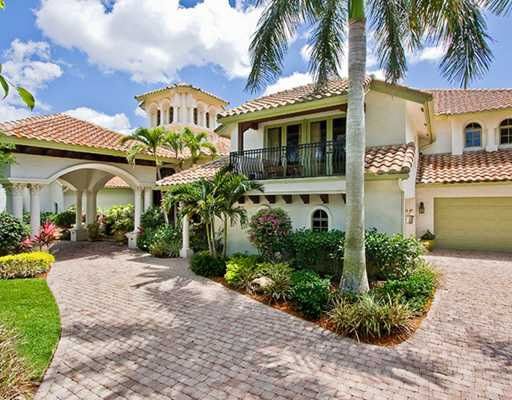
[[46, 216], [12, 232], [241, 270], [368, 318], [268, 231], [14, 376], [152, 218], [317, 251], [145, 237], [65, 219], [416, 290], [25, 265], [166, 242], [281, 277], [93, 232], [119, 219], [310, 293], [204, 264], [46, 236]]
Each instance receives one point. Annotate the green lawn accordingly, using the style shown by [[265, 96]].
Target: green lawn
[[28, 306]]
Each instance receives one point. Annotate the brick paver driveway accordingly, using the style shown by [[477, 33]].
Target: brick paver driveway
[[140, 328]]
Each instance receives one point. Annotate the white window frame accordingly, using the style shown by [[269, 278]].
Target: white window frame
[[473, 148], [498, 139], [326, 210]]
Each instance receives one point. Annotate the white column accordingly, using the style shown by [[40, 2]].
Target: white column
[[138, 208], [185, 251], [148, 198], [90, 207], [78, 209], [190, 115], [17, 191], [35, 209]]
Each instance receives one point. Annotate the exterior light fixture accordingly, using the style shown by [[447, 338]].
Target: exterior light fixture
[[421, 208]]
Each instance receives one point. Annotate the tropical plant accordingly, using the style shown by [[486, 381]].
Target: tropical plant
[[204, 264], [147, 140], [280, 274], [119, 219], [268, 231], [197, 144], [12, 232], [153, 217], [25, 265], [165, 242], [397, 25], [241, 270], [310, 293], [174, 141], [46, 236]]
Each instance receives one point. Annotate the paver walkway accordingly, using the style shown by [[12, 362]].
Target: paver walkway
[[136, 327]]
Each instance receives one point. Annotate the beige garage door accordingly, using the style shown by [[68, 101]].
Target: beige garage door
[[475, 223]]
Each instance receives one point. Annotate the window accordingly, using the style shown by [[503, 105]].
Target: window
[[506, 132], [320, 221], [207, 117], [318, 131], [339, 130], [195, 116], [473, 135], [158, 118], [274, 137], [171, 115]]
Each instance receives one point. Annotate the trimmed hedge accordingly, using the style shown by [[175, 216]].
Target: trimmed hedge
[[310, 293], [25, 265], [12, 233], [204, 264]]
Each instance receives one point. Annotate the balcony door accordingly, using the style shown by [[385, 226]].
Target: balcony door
[[339, 135]]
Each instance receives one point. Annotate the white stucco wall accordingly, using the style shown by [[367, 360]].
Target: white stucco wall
[[427, 194], [383, 212], [106, 198]]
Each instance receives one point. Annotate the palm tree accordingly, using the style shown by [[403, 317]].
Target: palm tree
[[229, 188], [197, 144], [174, 142], [459, 25], [147, 140]]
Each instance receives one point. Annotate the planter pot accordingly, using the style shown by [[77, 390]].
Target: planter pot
[[428, 244]]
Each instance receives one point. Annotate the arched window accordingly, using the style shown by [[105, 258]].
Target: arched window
[[473, 135], [196, 118], [506, 131], [158, 118], [320, 221], [207, 117], [171, 115]]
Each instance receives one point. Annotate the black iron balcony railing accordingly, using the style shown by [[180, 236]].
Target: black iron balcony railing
[[300, 161]]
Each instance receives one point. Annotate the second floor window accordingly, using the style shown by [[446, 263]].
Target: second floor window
[[171, 115], [195, 116], [207, 117], [158, 118], [506, 132], [473, 135]]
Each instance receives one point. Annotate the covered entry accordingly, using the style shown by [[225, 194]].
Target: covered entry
[[473, 223]]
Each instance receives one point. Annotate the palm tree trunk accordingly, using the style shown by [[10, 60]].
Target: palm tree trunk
[[354, 277], [225, 250]]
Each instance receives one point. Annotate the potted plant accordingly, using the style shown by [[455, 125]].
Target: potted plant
[[428, 240]]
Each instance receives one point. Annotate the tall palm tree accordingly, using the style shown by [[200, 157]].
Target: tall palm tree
[[459, 25], [147, 140], [229, 188], [174, 142], [197, 144]]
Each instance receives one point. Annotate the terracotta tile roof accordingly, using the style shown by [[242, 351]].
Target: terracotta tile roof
[[474, 166], [461, 101], [64, 129], [207, 171], [380, 160], [116, 183], [140, 97], [300, 94], [393, 159]]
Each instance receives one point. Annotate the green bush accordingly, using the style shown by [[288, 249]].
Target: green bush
[[317, 251], [310, 293], [119, 219], [268, 231], [204, 264], [12, 233], [145, 237], [93, 232], [281, 275], [44, 217], [241, 270], [166, 242], [152, 218], [416, 290], [65, 219], [25, 265], [367, 317]]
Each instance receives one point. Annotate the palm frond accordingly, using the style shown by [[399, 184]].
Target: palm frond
[[498, 7], [328, 40]]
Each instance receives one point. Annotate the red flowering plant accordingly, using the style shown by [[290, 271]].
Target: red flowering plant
[[46, 236], [268, 232]]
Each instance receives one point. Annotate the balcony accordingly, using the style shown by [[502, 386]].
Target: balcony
[[300, 161]]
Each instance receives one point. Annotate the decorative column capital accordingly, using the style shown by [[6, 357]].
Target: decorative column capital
[[35, 187], [17, 188]]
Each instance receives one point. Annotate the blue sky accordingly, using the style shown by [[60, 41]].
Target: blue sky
[[90, 57]]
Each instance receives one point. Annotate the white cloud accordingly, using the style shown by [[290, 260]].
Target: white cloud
[[305, 52], [117, 122], [288, 82], [27, 64], [153, 40], [429, 53]]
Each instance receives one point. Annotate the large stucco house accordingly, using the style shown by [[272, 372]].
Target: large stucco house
[[436, 160]]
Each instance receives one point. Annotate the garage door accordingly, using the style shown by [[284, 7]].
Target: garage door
[[476, 223]]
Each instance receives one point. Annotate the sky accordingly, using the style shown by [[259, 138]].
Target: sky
[[89, 58]]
